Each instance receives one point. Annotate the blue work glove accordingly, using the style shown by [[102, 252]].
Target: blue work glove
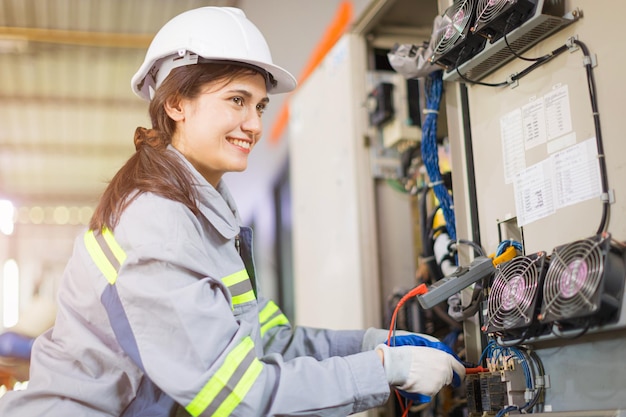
[[416, 339], [374, 337], [432, 365]]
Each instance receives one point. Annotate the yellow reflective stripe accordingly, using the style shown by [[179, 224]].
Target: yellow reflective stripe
[[270, 317], [240, 287], [99, 257], [267, 312], [117, 250], [240, 391], [221, 377], [276, 321], [244, 298], [235, 278], [103, 249]]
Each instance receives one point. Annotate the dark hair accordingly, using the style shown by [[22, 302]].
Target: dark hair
[[152, 168]]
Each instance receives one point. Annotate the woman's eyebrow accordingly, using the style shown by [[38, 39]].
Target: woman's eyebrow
[[248, 95]]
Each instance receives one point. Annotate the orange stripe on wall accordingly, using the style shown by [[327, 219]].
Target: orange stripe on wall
[[337, 27]]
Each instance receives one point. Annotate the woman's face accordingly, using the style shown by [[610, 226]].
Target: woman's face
[[217, 130]]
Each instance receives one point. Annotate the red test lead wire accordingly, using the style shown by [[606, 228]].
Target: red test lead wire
[[476, 370], [419, 290]]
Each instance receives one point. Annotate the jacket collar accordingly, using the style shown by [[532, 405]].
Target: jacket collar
[[216, 204]]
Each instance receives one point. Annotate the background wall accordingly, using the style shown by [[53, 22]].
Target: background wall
[[292, 29]]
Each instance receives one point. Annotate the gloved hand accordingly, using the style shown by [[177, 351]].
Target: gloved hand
[[374, 337], [419, 369], [418, 339]]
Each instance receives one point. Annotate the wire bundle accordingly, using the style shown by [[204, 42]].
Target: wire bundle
[[534, 373], [430, 155]]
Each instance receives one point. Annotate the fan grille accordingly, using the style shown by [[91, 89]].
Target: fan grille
[[456, 20], [490, 9], [573, 280], [513, 294]]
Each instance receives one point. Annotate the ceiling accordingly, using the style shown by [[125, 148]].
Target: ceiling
[[67, 113]]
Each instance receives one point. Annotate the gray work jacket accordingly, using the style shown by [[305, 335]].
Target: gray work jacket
[[162, 317]]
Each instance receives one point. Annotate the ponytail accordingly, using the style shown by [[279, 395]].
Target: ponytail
[[151, 169], [149, 137]]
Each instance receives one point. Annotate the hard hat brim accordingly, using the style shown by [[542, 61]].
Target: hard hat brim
[[285, 82]]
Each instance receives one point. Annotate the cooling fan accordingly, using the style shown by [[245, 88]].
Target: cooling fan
[[452, 41], [584, 283], [494, 18], [515, 297]]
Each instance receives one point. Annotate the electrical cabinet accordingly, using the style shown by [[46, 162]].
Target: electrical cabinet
[[526, 142]]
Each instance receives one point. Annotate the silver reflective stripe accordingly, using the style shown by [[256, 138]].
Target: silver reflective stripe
[[230, 383], [240, 287], [271, 317], [105, 252]]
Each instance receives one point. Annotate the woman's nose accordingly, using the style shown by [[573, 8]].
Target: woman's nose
[[252, 123]]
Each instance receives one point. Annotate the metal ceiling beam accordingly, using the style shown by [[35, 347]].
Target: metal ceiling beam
[[370, 16], [73, 37], [84, 102], [70, 150]]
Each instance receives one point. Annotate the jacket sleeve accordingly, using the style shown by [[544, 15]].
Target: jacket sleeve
[[280, 337], [175, 319]]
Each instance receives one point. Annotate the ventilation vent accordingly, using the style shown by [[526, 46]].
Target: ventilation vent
[[584, 283], [454, 43], [515, 297], [494, 18], [494, 55]]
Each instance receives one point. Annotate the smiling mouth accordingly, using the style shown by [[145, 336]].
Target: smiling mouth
[[241, 143]]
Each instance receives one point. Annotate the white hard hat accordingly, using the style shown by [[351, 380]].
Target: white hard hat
[[207, 34]]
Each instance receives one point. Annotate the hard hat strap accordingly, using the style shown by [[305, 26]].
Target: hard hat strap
[[161, 69]]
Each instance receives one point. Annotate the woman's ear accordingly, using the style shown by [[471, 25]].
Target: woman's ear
[[174, 109]]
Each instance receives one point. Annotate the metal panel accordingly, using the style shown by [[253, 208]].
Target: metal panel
[[586, 373], [334, 254], [536, 28]]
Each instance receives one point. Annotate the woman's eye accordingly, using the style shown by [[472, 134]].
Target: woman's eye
[[238, 101], [261, 108]]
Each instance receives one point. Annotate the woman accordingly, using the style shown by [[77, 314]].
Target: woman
[[159, 313]]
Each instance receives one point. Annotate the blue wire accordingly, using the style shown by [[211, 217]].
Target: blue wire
[[494, 351], [487, 351], [506, 243], [505, 410], [430, 153]]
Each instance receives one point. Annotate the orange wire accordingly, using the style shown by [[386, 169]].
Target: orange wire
[[420, 289], [407, 409], [476, 370]]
